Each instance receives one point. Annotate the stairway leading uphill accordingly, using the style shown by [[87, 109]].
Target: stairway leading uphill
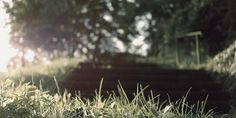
[[168, 83]]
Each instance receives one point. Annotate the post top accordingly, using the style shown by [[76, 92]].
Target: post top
[[190, 34]]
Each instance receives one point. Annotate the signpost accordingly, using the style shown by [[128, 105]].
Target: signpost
[[190, 36]]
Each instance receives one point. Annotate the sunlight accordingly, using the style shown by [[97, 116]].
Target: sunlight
[[6, 51], [46, 61], [29, 56]]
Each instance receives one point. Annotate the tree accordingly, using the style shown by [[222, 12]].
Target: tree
[[217, 21], [169, 19], [87, 25], [90, 25]]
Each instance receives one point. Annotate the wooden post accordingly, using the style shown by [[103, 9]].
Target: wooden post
[[23, 57], [197, 49], [177, 51], [195, 36]]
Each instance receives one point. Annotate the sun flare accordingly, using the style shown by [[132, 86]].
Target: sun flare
[[6, 51]]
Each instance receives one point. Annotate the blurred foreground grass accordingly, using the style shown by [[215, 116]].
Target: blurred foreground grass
[[43, 74], [27, 101]]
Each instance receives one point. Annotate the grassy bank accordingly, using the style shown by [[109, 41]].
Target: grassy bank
[[26, 101], [31, 93], [43, 74], [224, 67]]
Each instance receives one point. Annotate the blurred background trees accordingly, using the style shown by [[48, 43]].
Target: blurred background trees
[[95, 27]]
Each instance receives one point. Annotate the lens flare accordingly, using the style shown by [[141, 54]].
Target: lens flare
[[6, 51], [29, 56]]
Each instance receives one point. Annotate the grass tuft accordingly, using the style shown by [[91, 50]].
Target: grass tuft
[[27, 101]]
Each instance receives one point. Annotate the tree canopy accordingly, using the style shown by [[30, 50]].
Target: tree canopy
[[93, 26]]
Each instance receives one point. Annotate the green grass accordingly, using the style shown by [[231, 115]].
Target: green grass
[[170, 62], [26, 101], [42, 74], [31, 93], [224, 67]]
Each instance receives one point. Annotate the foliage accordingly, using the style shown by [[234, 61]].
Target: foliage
[[172, 19], [217, 22], [24, 100], [84, 25], [91, 26]]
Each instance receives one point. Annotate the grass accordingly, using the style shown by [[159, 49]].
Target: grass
[[43, 74], [26, 101], [31, 93], [170, 62], [224, 67]]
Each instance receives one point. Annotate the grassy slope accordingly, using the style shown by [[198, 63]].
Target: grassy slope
[[44, 74], [224, 66], [27, 100]]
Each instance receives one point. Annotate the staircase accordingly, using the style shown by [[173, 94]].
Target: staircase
[[168, 83]]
